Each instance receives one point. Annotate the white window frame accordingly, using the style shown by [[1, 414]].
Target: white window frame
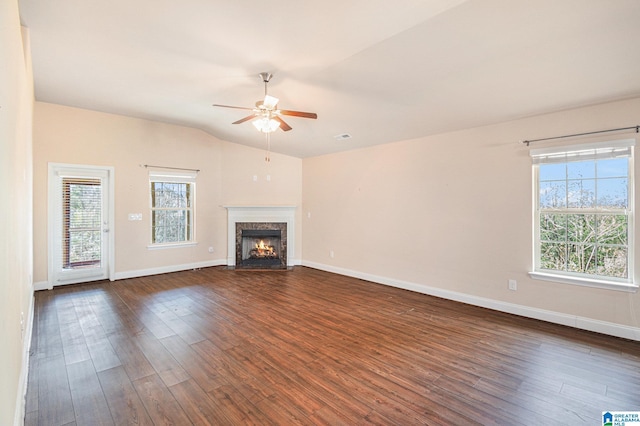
[[564, 154], [183, 177]]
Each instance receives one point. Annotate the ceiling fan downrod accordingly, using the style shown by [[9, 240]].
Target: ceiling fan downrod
[[266, 77]]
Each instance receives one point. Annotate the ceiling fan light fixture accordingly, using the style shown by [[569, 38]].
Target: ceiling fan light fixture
[[266, 124]]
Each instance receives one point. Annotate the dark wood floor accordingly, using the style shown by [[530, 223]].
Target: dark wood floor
[[225, 347]]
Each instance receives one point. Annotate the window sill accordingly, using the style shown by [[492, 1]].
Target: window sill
[[585, 282], [172, 245]]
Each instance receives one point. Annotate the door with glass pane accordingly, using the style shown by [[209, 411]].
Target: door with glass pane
[[79, 224]]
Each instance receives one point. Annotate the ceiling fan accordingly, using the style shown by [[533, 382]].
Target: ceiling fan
[[266, 116]]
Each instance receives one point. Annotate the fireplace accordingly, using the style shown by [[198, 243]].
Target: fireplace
[[263, 218], [261, 245]]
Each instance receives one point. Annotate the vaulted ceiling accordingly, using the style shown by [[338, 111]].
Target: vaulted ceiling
[[378, 70]]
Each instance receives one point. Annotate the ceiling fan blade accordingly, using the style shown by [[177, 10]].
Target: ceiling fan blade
[[247, 118], [299, 113], [284, 126], [229, 106]]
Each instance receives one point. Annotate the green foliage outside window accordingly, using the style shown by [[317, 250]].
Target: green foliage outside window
[[583, 217]]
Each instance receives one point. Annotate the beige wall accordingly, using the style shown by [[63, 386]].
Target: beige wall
[[76, 136], [16, 294], [453, 212], [279, 179], [449, 212]]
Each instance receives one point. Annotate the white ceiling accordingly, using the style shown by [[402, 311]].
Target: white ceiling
[[379, 70]]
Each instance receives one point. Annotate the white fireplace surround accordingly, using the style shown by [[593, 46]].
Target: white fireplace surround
[[282, 214]]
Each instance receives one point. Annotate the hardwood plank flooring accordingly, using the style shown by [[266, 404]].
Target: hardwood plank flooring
[[223, 347]]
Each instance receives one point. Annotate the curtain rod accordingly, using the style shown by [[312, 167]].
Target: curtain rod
[[171, 168], [637, 129]]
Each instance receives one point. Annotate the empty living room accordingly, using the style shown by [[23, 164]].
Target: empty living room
[[339, 213]]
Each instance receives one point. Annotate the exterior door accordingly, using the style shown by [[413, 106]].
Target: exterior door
[[80, 223]]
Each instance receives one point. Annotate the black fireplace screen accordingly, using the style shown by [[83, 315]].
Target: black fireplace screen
[[261, 247]]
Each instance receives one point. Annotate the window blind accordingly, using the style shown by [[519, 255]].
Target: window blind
[[81, 222], [583, 152], [172, 176]]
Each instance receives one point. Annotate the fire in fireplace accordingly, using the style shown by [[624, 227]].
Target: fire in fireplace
[[263, 251]]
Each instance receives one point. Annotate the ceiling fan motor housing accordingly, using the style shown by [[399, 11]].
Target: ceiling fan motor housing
[[266, 76]]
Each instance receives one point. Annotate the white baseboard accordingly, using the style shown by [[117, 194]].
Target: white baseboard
[[168, 269], [21, 403], [612, 329], [177, 268], [42, 285]]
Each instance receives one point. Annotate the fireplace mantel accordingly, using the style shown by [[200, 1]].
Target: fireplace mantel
[[259, 213]]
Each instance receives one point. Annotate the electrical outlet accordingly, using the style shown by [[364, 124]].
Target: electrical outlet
[[331, 254], [513, 285]]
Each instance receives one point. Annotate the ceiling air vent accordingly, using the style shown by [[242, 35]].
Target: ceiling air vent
[[342, 136]]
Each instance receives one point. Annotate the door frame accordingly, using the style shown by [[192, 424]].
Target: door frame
[[106, 173]]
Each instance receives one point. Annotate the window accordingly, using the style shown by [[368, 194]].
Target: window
[[81, 222], [583, 220], [172, 208]]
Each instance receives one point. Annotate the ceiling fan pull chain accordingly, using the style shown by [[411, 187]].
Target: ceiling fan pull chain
[[267, 157]]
